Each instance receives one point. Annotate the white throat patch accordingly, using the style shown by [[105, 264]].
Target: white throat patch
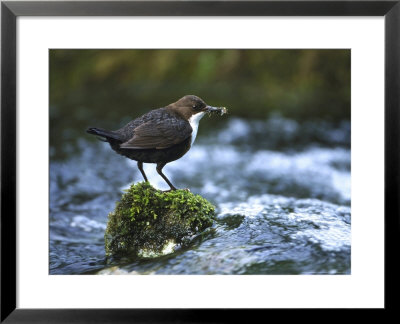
[[194, 122]]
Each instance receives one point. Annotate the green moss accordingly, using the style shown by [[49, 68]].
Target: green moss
[[147, 221]]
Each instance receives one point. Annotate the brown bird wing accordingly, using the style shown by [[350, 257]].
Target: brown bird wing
[[159, 134]]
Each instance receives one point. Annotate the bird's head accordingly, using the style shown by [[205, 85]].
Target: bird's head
[[191, 105]]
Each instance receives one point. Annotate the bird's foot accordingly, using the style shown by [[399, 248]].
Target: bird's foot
[[169, 190]]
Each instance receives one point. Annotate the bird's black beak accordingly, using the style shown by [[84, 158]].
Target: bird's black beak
[[211, 109]]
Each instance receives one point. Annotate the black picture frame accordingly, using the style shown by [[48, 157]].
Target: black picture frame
[[10, 10]]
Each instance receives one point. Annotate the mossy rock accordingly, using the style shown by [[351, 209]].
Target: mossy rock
[[147, 222]]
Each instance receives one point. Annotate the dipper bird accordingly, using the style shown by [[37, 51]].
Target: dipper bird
[[160, 136]]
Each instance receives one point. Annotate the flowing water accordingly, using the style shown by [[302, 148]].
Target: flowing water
[[281, 188]]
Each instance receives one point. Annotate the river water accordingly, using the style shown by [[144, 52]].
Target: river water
[[281, 188]]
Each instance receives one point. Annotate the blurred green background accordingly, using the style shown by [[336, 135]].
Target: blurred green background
[[107, 88]]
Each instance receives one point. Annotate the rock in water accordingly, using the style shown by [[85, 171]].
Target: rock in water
[[147, 222]]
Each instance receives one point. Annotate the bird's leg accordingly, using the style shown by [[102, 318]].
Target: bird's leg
[[159, 170], [140, 167]]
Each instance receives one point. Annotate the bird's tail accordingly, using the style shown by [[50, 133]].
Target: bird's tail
[[104, 133]]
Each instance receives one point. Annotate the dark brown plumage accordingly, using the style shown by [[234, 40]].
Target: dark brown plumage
[[159, 136]]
